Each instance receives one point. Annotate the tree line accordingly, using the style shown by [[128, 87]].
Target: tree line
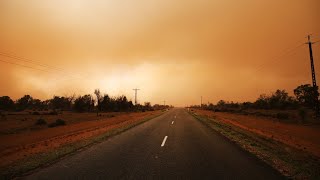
[[304, 97], [86, 103]]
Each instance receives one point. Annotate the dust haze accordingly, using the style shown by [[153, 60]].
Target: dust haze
[[172, 50]]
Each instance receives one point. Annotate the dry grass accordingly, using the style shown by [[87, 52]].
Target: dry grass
[[42, 146], [290, 161], [17, 122]]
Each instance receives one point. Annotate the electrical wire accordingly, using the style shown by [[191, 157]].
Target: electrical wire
[[25, 66], [48, 67], [288, 51], [14, 57]]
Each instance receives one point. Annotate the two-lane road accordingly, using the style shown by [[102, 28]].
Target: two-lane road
[[171, 146]]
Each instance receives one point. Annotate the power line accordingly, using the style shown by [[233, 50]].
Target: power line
[[30, 67], [37, 63], [49, 69], [29, 61], [24, 66], [53, 68], [286, 52]]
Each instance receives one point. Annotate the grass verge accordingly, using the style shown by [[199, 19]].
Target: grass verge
[[289, 161], [29, 164]]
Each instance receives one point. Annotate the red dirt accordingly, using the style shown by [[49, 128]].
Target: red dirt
[[299, 136], [18, 146]]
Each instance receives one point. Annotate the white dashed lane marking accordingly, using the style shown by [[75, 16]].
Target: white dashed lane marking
[[164, 141]]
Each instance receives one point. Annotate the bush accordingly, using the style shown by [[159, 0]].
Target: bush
[[282, 115], [58, 122], [110, 115], [35, 113], [53, 113], [41, 122], [258, 113]]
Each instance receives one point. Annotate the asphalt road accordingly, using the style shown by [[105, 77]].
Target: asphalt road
[[172, 146]]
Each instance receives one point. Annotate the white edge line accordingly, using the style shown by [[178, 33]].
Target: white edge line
[[164, 141]]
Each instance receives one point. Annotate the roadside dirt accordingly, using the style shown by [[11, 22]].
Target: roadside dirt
[[22, 145], [304, 137]]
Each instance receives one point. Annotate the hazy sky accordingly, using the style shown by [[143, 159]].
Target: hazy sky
[[172, 50]]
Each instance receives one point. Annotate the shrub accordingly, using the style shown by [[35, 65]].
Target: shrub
[[282, 115], [53, 113], [258, 113], [58, 122], [110, 115], [35, 113], [41, 122]]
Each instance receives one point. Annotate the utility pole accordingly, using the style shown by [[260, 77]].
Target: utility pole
[[201, 102], [135, 97], [314, 82], [164, 103]]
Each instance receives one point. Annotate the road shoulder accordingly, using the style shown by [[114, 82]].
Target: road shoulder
[[290, 162], [40, 160]]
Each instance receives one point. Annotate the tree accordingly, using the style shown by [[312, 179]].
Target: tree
[[63, 103], [306, 95], [106, 103], [84, 103], [99, 99], [24, 102], [279, 99], [221, 103], [36, 104], [147, 106], [6, 103], [262, 102], [123, 104]]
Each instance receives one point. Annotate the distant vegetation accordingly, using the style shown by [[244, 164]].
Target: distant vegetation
[[85, 103], [58, 122], [278, 101]]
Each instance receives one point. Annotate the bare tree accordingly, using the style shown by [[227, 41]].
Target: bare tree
[[99, 99]]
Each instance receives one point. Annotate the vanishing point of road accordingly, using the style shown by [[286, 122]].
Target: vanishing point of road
[[172, 146]]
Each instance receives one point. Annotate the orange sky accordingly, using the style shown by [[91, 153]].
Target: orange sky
[[172, 50]]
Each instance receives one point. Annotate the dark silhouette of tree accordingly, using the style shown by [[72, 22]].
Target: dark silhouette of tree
[[45, 104], [36, 104], [221, 103], [262, 102], [277, 100], [123, 104], [116, 104], [147, 106], [159, 107], [6, 103], [99, 99], [246, 105], [62, 103], [84, 103], [24, 103], [106, 103], [280, 100], [306, 95]]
